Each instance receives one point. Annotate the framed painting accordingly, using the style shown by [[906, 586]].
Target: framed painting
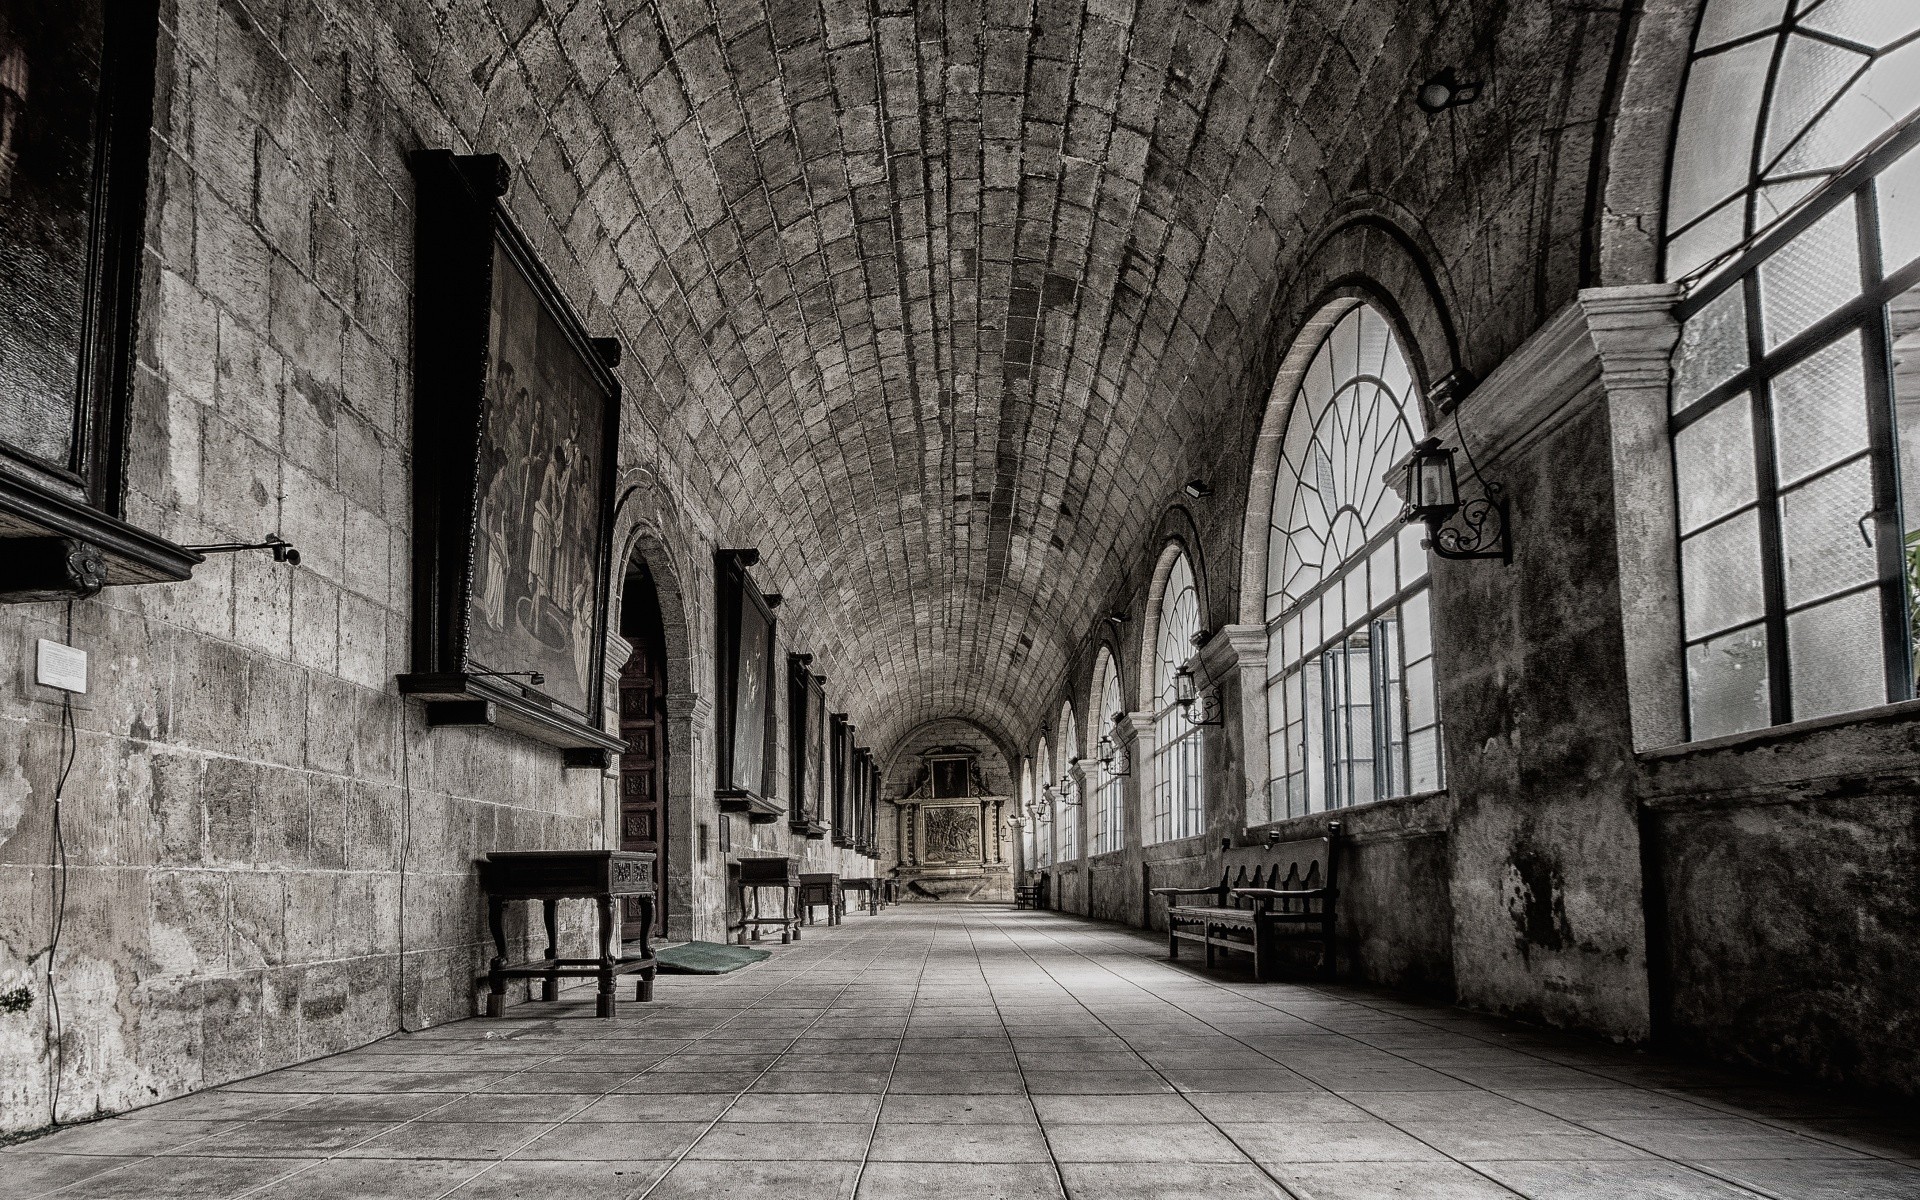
[[76, 113], [806, 747], [516, 430], [840, 772], [745, 712]]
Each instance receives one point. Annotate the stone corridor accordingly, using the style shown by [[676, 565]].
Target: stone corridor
[[965, 1053]]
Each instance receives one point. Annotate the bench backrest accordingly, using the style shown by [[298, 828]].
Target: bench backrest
[[1297, 866]]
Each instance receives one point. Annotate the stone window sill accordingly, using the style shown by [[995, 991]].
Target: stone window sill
[[1885, 714]]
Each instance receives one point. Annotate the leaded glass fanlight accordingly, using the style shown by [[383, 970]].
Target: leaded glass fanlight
[[1796, 382], [1066, 805], [1780, 96], [1350, 695]]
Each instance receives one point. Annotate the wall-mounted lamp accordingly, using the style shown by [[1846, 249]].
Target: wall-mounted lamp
[[1115, 763], [283, 550], [1197, 488], [1445, 91], [1190, 698], [1431, 489], [1116, 619]]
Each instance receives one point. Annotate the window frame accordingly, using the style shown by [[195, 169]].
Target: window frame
[[1178, 808]]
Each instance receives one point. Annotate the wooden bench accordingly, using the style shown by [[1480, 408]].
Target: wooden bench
[[549, 876], [1292, 899]]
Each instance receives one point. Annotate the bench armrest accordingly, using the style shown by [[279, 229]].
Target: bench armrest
[[1281, 893], [1169, 891]]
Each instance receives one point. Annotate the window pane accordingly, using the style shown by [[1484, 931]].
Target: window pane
[[1727, 684], [1899, 187], [1420, 706], [1870, 22], [1380, 572], [1810, 276], [1887, 93], [1713, 464], [1712, 349], [1712, 153], [1835, 650], [1826, 550], [1416, 626], [1720, 574], [1726, 20], [1812, 72], [1413, 559], [1423, 754], [1903, 319], [1820, 410], [1708, 239]]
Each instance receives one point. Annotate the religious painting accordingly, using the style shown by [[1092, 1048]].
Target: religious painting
[[950, 778], [806, 746], [76, 115], [745, 709], [536, 562], [952, 834], [516, 431], [840, 771]]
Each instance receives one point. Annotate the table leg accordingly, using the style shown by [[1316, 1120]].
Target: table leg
[[496, 977], [550, 989], [789, 924], [644, 991], [603, 1006]]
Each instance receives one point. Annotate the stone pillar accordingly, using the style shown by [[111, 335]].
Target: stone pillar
[[688, 715], [913, 835], [1133, 737], [999, 831], [1234, 661]]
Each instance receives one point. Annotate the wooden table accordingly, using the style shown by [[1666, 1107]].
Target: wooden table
[[550, 876], [821, 887], [870, 888], [769, 871]]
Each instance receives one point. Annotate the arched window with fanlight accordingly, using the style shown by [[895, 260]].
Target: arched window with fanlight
[[1043, 805], [1106, 828], [1351, 707], [1031, 822], [1066, 804], [1178, 808], [1793, 226]]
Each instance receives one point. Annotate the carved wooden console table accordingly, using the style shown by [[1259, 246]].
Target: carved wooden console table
[[870, 889], [769, 872], [550, 876]]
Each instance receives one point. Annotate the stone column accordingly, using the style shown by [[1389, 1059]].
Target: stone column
[[688, 715], [1234, 661], [1133, 737]]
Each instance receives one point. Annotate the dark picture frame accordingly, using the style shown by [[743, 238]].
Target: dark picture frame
[[76, 117], [840, 781], [516, 438], [745, 713], [806, 747]]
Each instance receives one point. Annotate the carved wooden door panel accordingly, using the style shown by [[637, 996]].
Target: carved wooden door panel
[[643, 772]]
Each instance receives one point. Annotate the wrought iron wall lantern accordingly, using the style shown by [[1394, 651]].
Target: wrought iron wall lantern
[[1114, 762], [1475, 528], [1064, 791], [1200, 707]]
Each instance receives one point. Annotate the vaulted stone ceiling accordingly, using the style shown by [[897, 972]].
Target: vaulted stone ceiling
[[938, 302]]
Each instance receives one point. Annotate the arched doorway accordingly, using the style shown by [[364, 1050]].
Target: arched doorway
[[643, 726]]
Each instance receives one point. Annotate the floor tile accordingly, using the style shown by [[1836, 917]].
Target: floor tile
[[963, 1143], [609, 1140], [373, 1179], [1389, 1181], [784, 1142], [594, 1180], [1169, 1181], [1142, 1143], [694, 1179], [974, 1181]]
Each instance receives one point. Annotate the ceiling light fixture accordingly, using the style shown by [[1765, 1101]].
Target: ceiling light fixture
[[1198, 489], [1445, 91]]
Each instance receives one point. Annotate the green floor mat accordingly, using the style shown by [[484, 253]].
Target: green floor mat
[[707, 958]]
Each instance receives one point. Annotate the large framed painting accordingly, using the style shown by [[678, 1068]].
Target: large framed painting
[[806, 747], [76, 111], [745, 716], [516, 430], [840, 785]]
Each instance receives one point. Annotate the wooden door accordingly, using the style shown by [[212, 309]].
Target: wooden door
[[643, 769]]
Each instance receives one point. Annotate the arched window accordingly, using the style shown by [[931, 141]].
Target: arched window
[[1351, 715], [1043, 805], [1068, 799], [1028, 841], [1107, 830], [1795, 208], [1178, 808]]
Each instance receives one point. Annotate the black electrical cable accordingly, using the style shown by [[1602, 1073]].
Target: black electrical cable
[[57, 867]]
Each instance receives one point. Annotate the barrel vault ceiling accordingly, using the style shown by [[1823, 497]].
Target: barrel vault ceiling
[[936, 300]]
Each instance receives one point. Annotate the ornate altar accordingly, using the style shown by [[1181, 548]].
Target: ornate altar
[[951, 832]]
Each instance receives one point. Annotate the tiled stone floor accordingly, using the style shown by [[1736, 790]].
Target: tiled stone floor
[[958, 1053]]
